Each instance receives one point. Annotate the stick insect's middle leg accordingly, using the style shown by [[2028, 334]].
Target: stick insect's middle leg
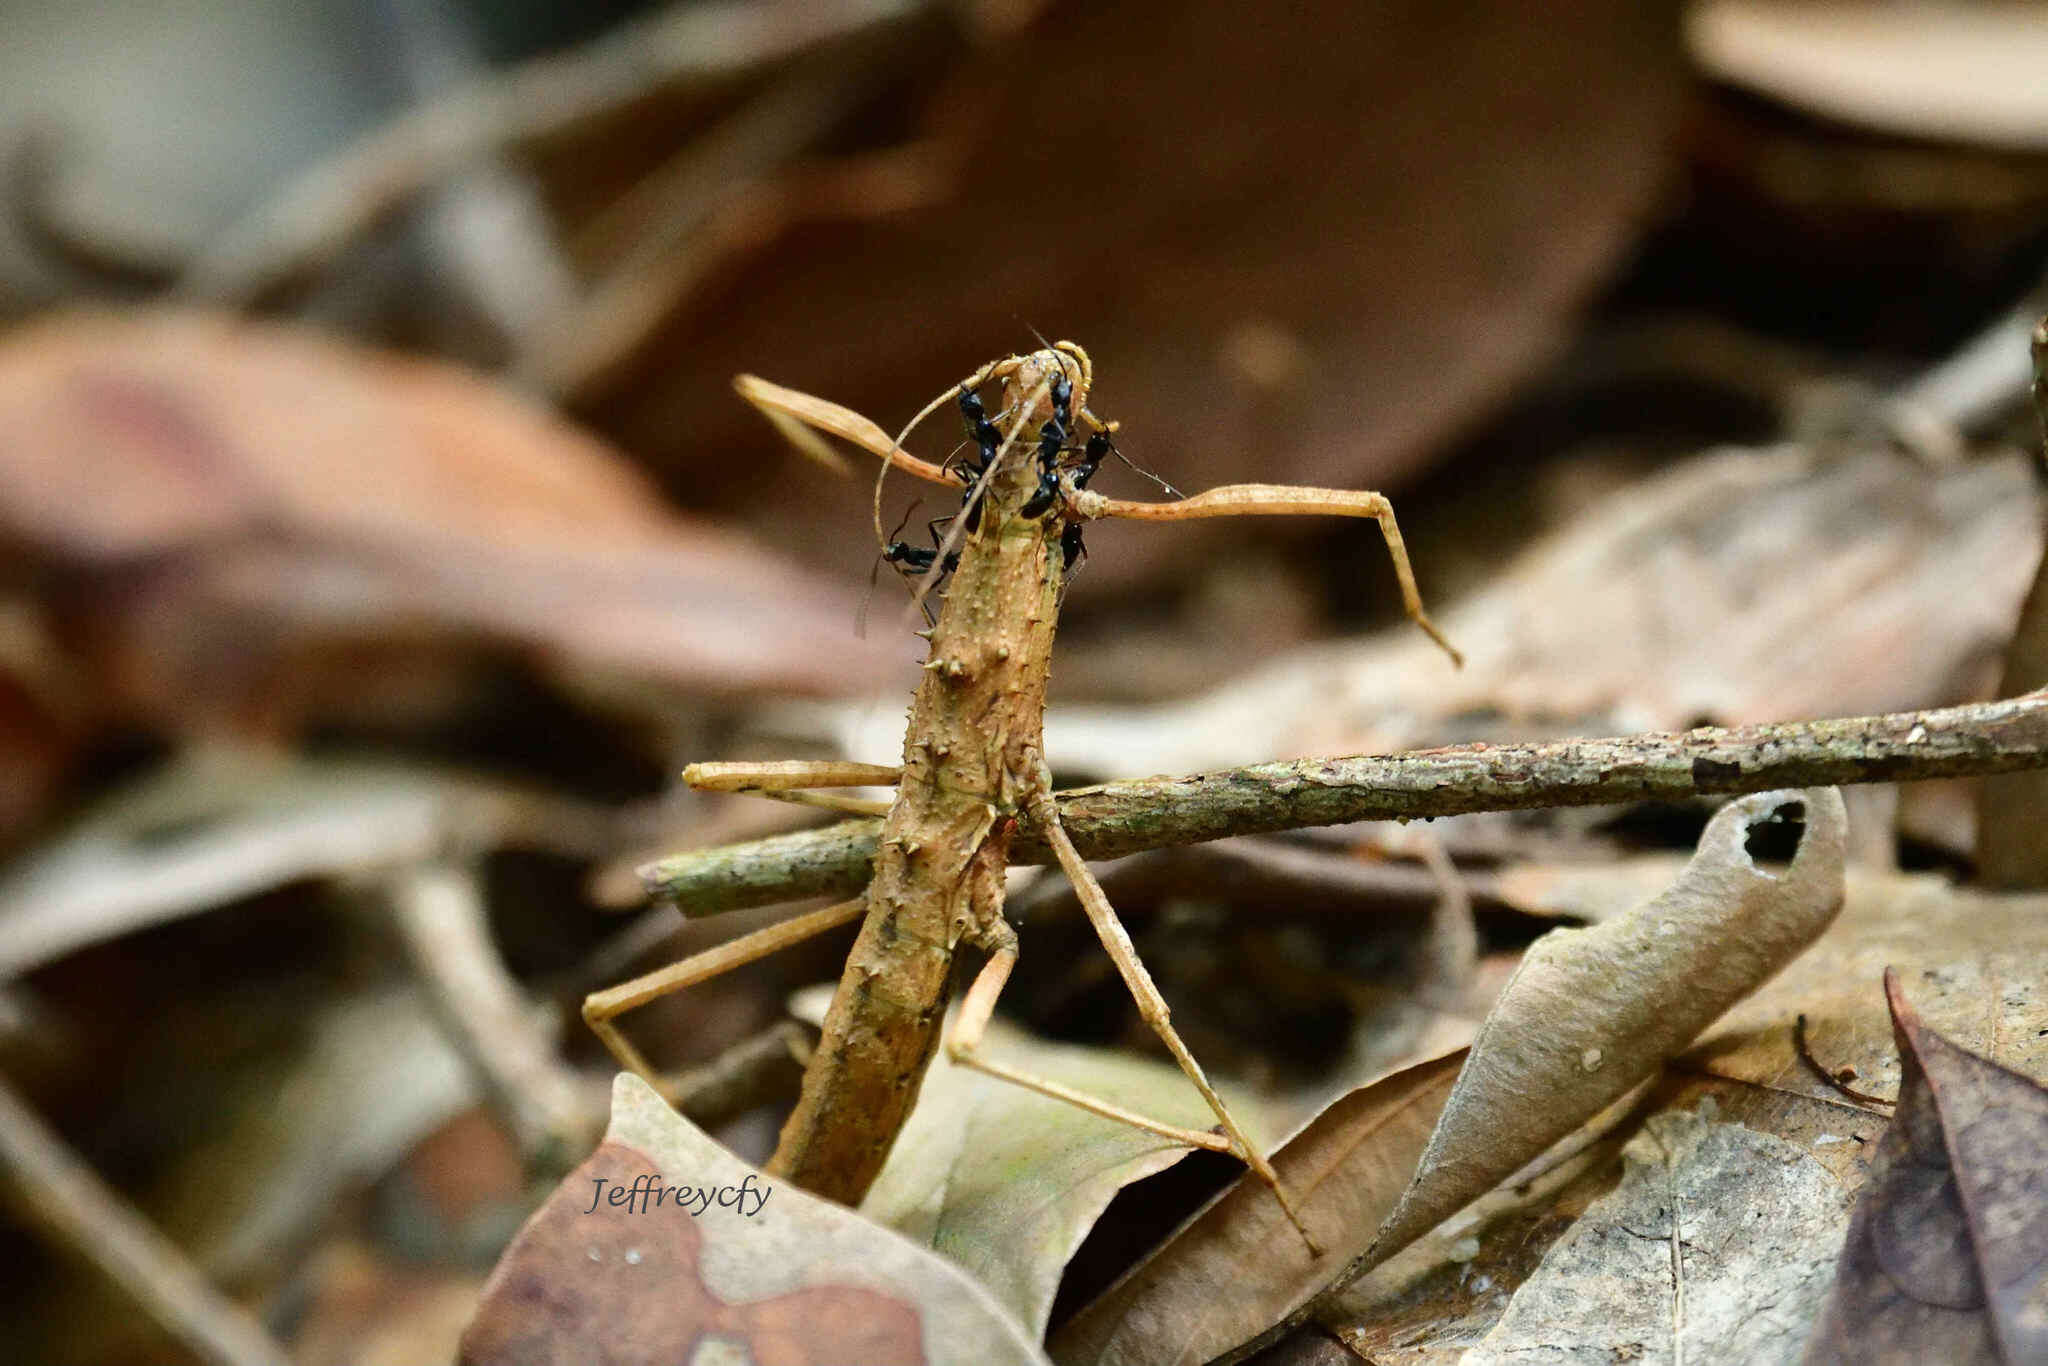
[[601, 1007]]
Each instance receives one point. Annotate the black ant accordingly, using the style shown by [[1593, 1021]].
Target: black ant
[[903, 556]]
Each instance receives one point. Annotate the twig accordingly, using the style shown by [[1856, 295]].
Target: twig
[[1115, 819], [763, 1070], [336, 202], [2010, 810], [726, 171], [1835, 1083], [66, 1196], [440, 914]]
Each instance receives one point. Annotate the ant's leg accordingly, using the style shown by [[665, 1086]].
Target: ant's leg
[[1285, 500], [790, 780], [600, 1007]]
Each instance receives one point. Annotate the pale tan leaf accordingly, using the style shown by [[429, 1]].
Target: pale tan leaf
[[770, 1272], [239, 492], [1973, 962], [1008, 1182], [1715, 1247], [1592, 1012], [1963, 70]]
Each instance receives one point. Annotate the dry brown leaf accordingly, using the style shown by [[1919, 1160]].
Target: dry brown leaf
[[1947, 1259], [228, 492], [1976, 962], [1962, 70], [1588, 1015], [769, 1274], [1253, 225], [1237, 1268]]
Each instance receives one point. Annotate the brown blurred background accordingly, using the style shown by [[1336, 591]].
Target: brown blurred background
[[382, 534]]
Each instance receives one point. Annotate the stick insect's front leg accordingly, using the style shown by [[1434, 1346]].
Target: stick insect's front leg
[[1281, 500], [981, 998], [793, 780], [601, 1007]]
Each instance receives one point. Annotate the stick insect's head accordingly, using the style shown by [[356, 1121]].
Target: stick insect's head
[[1063, 363]]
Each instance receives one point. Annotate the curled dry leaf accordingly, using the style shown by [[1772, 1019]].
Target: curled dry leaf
[[1592, 1012], [229, 490], [1975, 964], [759, 1271], [1947, 1256], [1588, 1015]]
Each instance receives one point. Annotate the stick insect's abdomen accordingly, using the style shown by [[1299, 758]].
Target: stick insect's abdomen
[[970, 755]]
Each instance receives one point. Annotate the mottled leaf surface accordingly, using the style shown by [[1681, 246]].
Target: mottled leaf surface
[[1712, 1248], [776, 1278]]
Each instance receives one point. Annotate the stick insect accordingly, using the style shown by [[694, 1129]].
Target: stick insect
[[973, 769]]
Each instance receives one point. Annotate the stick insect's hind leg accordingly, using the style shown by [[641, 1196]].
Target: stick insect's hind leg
[[981, 998], [965, 1049], [794, 780], [600, 1008], [1285, 500]]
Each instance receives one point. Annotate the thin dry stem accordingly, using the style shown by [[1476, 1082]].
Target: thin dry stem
[[441, 917], [1114, 819], [87, 1216]]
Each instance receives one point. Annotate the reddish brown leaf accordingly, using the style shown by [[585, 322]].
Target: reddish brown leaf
[[608, 1285], [1303, 243], [1947, 1256], [607, 1275], [214, 497]]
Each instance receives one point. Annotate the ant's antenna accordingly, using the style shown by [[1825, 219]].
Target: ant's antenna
[[1136, 468], [860, 618]]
